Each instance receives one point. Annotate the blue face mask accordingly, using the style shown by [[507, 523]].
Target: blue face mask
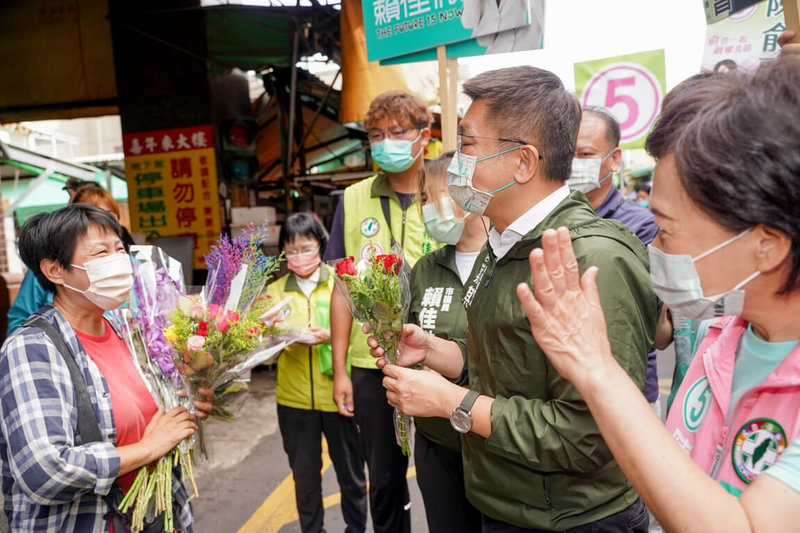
[[644, 203], [394, 155], [459, 182]]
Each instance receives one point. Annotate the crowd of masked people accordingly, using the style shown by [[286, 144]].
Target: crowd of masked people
[[539, 296]]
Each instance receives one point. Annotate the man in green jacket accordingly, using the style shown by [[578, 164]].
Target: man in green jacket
[[533, 456]]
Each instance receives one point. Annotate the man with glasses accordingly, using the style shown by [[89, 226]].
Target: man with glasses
[[597, 158], [534, 459], [373, 215]]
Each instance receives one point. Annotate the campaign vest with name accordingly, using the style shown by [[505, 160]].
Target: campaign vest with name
[[765, 420], [365, 226]]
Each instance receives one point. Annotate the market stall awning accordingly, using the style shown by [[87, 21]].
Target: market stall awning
[[320, 144], [34, 183], [58, 60]]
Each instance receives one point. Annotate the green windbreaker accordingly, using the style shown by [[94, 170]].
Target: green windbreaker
[[545, 464], [436, 306]]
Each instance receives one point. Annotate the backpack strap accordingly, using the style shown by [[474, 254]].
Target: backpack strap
[[387, 214]]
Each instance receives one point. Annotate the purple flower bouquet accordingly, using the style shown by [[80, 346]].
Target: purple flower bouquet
[[157, 286]]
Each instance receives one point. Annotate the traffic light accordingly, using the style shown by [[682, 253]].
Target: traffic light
[[239, 160]]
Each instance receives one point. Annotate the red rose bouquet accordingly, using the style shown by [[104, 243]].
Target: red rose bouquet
[[377, 293]]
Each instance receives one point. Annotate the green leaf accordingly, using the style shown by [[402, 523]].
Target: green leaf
[[231, 388], [201, 360], [384, 311]]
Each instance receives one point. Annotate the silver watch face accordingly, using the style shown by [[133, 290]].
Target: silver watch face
[[460, 420]]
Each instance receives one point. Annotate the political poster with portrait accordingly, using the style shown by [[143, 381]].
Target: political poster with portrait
[[172, 185], [745, 39], [717, 10], [398, 27], [530, 37], [631, 87]]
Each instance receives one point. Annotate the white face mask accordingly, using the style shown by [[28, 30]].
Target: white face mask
[[585, 175], [110, 281], [459, 182], [676, 282], [442, 223]]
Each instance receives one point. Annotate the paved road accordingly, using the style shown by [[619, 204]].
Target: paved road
[[248, 486]]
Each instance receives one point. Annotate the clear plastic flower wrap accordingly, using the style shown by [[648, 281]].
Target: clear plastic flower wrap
[[157, 286], [217, 336], [377, 292]]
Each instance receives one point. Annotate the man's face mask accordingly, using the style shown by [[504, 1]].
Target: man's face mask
[[394, 155], [585, 174], [459, 182], [676, 282], [110, 281]]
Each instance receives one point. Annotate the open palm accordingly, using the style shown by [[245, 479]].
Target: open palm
[[565, 315]]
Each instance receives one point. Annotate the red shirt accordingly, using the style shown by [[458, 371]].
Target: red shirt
[[131, 402]]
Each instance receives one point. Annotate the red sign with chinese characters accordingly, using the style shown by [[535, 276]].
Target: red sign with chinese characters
[[172, 185]]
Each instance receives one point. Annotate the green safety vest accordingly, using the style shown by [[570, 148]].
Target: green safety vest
[[302, 379], [365, 225]]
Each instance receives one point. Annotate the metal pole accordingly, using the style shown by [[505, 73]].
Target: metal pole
[[38, 181], [292, 110]]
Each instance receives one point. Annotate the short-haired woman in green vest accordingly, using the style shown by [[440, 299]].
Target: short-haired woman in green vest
[[437, 290], [304, 391]]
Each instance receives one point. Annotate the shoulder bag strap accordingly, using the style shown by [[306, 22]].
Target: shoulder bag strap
[[88, 427], [388, 216]]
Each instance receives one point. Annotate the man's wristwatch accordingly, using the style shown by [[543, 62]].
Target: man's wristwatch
[[460, 418]]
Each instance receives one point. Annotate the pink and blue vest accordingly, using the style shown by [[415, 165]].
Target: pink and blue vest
[[764, 422]]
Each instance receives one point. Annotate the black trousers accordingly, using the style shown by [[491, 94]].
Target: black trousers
[[302, 432], [389, 501], [634, 519], [440, 476]]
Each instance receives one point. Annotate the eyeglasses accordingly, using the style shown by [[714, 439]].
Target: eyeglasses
[[302, 253], [395, 133], [459, 143]]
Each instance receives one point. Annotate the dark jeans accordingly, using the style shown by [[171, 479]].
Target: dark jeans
[[389, 501], [634, 519], [440, 476], [302, 432]]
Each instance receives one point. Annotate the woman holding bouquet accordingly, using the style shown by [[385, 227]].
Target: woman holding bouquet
[[304, 393], [53, 478]]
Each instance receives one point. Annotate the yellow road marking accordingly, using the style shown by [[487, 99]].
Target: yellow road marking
[[664, 385], [280, 507]]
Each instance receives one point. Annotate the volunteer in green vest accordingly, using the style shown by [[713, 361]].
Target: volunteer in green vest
[[437, 290], [534, 459], [304, 392], [375, 213]]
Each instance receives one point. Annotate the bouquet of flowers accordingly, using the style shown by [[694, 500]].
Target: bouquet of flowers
[[378, 294], [157, 286], [231, 326]]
